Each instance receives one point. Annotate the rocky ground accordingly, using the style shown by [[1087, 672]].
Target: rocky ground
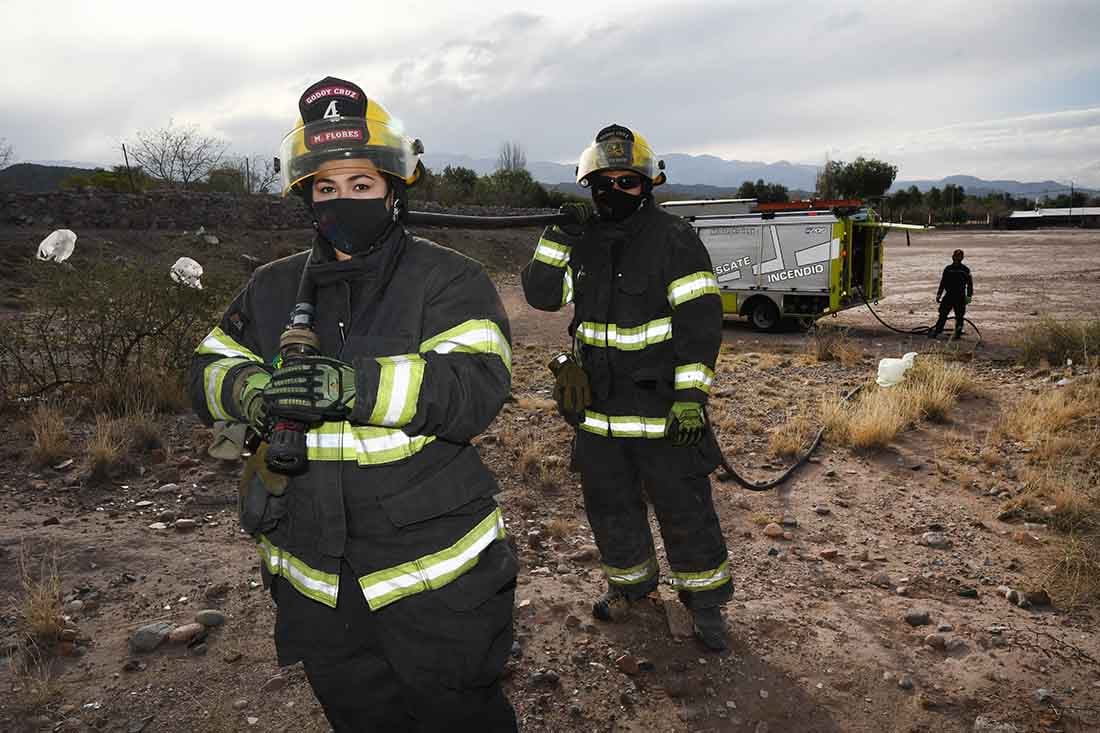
[[867, 592]]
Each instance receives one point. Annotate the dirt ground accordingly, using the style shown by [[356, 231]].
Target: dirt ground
[[820, 640]]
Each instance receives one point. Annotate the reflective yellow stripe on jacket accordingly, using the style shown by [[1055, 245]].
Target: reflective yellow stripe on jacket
[[633, 338], [219, 343], [624, 426], [383, 587]]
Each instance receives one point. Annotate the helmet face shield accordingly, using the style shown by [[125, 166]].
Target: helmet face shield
[[372, 138], [618, 148]]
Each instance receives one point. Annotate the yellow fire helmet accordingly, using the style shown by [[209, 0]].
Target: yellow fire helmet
[[620, 148], [338, 122]]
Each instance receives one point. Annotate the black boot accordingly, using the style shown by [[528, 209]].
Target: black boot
[[710, 628], [611, 606]]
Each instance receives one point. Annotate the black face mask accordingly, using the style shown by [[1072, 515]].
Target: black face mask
[[613, 204], [353, 226]]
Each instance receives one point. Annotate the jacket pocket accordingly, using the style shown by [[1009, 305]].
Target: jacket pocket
[[458, 483], [495, 572], [260, 510]]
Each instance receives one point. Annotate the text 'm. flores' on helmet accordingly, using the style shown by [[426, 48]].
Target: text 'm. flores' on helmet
[[338, 122], [620, 148]]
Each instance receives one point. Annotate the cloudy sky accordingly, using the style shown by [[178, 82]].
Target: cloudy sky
[[998, 89]]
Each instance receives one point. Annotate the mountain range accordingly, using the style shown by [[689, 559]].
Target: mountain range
[[703, 175]]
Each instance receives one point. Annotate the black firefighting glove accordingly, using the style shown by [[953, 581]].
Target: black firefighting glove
[[686, 424], [571, 390], [311, 389], [251, 398], [582, 214]]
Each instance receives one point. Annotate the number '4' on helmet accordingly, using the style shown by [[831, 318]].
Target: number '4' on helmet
[[338, 122]]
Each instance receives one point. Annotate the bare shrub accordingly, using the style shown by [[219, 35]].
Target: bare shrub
[[51, 440], [103, 322]]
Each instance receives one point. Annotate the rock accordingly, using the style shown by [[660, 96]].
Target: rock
[[882, 580], [240, 704], [210, 617], [917, 617], [216, 591], [945, 628], [902, 590], [232, 657], [199, 650], [133, 665], [680, 623], [936, 641], [186, 525], [935, 540], [545, 678], [143, 504], [828, 554], [572, 621], [158, 525], [586, 553], [773, 530], [822, 510], [167, 516], [1037, 597], [958, 647], [251, 720], [789, 522], [149, 637], [73, 607], [1043, 695], [968, 592], [627, 664], [690, 714], [185, 634], [276, 683], [212, 240], [988, 724], [50, 521], [905, 682], [168, 489]]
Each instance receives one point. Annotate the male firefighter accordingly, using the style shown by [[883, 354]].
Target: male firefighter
[[386, 557], [646, 328], [954, 293]]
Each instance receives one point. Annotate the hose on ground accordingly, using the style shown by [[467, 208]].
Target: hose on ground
[[731, 473]]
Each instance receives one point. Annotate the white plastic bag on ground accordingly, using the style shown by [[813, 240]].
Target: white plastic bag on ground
[[58, 246], [187, 272], [892, 371]]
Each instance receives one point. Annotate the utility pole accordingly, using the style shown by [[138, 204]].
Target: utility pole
[[129, 173]]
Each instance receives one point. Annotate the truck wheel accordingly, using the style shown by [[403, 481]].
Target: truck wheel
[[764, 315]]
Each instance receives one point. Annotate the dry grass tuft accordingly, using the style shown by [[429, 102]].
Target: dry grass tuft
[[38, 607], [51, 440], [142, 392], [877, 415], [1073, 577], [792, 435], [559, 528], [107, 447], [831, 343], [1057, 340], [536, 404]]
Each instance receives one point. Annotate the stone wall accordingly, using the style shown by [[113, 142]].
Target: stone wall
[[175, 210]]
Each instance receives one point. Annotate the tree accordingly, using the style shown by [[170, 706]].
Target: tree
[[457, 184], [7, 153], [865, 178], [763, 192], [510, 188], [243, 174], [178, 156], [828, 178], [511, 157]]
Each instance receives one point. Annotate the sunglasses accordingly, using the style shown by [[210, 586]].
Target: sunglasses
[[623, 182]]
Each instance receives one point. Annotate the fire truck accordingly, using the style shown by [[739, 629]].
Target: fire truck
[[797, 260]]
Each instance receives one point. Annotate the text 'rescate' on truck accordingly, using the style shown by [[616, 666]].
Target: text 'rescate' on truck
[[796, 260]]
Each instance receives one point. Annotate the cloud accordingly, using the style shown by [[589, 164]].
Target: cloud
[[936, 87]]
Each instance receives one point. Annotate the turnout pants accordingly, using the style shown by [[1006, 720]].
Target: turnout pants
[[946, 306], [429, 662], [676, 480]]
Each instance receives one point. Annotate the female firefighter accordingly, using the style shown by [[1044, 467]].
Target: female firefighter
[[386, 556]]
